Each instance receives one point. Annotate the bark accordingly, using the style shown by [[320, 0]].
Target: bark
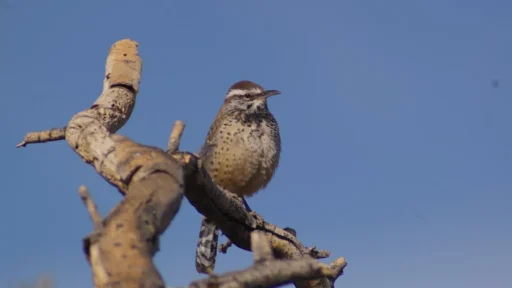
[[234, 222], [268, 271], [121, 247]]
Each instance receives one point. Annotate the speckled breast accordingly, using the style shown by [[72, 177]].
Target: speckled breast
[[243, 158]]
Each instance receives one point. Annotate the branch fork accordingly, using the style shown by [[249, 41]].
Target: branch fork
[[153, 182]]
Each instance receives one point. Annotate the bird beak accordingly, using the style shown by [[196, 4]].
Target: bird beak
[[269, 93]]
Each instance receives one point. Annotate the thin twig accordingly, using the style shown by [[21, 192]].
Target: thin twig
[[260, 247], [91, 207], [174, 140], [268, 271], [54, 134]]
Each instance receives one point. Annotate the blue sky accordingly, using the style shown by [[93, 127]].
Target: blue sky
[[396, 146]]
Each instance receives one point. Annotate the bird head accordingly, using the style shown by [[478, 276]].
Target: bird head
[[248, 97]]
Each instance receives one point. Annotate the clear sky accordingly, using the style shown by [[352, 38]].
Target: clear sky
[[395, 119]]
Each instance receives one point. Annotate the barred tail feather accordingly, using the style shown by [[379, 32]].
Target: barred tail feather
[[207, 247]]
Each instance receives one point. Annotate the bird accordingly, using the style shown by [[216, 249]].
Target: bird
[[240, 154]]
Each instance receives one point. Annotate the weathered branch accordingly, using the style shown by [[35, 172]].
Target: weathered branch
[[234, 221], [91, 207], [121, 250], [260, 247], [121, 247], [54, 134], [268, 271], [89, 131], [174, 140]]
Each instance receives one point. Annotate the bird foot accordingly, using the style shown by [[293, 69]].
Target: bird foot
[[258, 218], [224, 247]]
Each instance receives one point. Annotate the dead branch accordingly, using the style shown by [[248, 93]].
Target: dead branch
[[234, 221], [88, 132], [121, 250], [174, 140], [54, 134], [268, 271], [91, 207], [121, 247], [260, 247]]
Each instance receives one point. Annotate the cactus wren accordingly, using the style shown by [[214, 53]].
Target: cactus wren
[[241, 154]]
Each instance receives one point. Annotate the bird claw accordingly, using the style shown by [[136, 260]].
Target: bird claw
[[224, 247], [258, 218]]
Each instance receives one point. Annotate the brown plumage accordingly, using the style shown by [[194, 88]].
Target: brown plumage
[[241, 153]]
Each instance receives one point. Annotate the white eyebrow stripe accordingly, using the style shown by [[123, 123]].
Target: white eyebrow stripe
[[235, 92]]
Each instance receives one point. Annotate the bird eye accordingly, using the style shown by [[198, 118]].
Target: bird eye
[[247, 96]]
